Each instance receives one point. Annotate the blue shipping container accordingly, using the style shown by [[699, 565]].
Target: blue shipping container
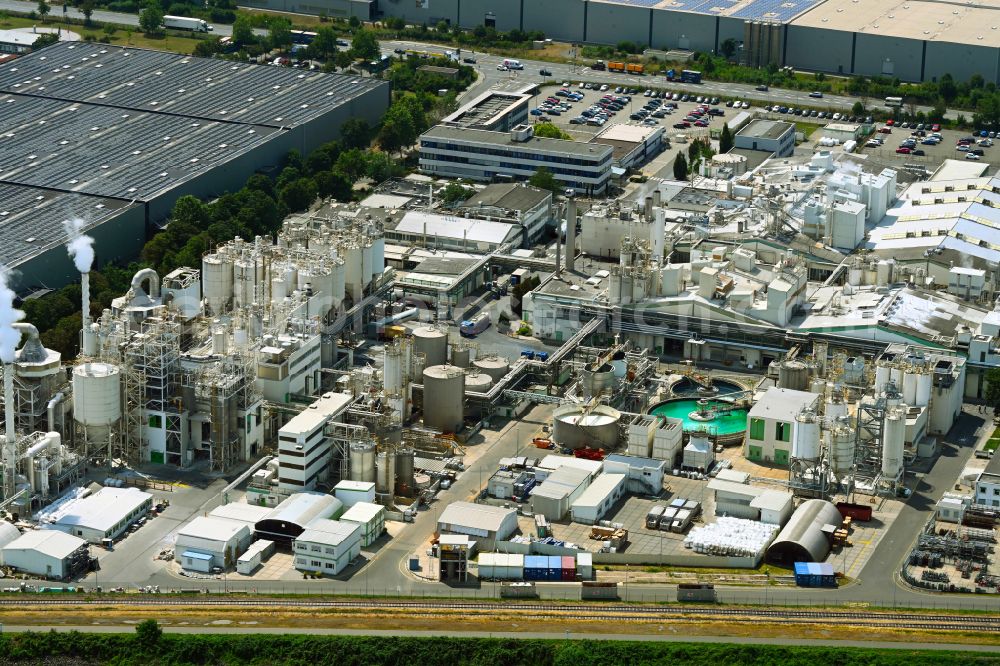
[[815, 574]]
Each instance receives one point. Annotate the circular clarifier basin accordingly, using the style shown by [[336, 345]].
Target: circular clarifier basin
[[717, 417], [686, 388]]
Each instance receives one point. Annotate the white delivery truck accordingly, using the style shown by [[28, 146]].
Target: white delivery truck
[[186, 23], [510, 63]]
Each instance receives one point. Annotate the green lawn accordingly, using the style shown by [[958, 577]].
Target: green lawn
[[120, 38], [806, 128]]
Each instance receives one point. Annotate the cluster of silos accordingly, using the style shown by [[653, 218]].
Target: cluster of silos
[[359, 243], [444, 397], [97, 403], [577, 426], [397, 373]]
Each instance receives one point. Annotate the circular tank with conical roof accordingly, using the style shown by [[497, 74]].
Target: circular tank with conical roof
[[477, 382], [444, 396], [793, 375], [495, 366], [461, 356], [432, 342], [96, 394], [576, 426]]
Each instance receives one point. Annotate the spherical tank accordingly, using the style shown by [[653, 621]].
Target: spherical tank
[[477, 382], [385, 472], [444, 394], [432, 342], [460, 356], [793, 375], [893, 440], [574, 427], [216, 282], [362, 461], [96, 394], [806, 444], [496, 367], [404, 471]]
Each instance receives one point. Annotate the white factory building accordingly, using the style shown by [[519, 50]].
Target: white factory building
[[241, 512], [370, 517], [104, 515], [351, 492], [208, 542], [303, 447], [595, 502], [643, 476], [772, 424], [560, 489], [327, 546], [44, 553], [484, 523]]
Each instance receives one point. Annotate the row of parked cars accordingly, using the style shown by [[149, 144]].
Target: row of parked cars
[[558, 104]]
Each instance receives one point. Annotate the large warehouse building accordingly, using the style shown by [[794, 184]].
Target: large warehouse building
[[915, 40], [115, 136]]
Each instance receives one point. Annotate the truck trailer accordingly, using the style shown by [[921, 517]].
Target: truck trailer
[[186, 23]]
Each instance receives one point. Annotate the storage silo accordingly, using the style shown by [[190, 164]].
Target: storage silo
[[925, 380], [216, 282], [495, 366], [392, 369], [793, 375], [910, 387], [339, 288], [806, 442], [444, 395], [461, 355], [882, 374], [245, 281], [841, 452], [97, 398], [432, 342], [404, 471], [385, 472], [574, 426], [477, 382], [362, 461], [893, 440]]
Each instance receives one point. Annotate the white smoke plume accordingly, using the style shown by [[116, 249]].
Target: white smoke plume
[[80, 246], [9, 315]]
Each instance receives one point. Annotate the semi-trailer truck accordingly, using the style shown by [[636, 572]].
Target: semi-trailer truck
[[476, 325], [186, 23]]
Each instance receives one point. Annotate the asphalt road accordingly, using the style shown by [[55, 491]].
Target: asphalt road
[[665, 634]]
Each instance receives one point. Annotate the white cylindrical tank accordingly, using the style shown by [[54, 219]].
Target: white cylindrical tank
[[352, 268], [842, 453], [96, 394], [496, 367], [392, 369], [362, 461], [432, 342], [575, 426], [925, 380], [367, 269], [910, 387], [817, 385], [835, 408], [444, 395], [881, 378], [896, 377], [378, 256], [883, 272], [339, 288], [216, 282], [893, 440], [244, 282], [477, 382], [279, 289], [854, 276], [805, 439], [385, 472]]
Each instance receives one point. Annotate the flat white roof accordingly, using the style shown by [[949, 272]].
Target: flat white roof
[[362, 512], [625, 132], [561, 482], [104, 509], [52, 543], [317, 414], [501, 559], [355, 486], [482, 516], [718, 485], [772, 500], [450, 226], [256, 547], [597, 492], [554, 462], [328, 532], [782, 404], [240, 511], [212, 529]]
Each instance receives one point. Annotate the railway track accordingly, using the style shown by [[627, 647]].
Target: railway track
[[585, 612]]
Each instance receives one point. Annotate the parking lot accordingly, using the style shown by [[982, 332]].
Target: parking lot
[[926, 154], [624, 103]]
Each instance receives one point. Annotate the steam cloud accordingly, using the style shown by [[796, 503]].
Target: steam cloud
[[80, 246], [9, 315]]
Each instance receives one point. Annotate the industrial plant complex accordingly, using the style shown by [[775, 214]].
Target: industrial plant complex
[[771, 369]]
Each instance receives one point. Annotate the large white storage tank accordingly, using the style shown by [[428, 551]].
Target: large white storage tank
[[806, 438], [893, 440], [362, 461], [432, 342], [385, 472], [842, 445], [245, 279], [881, 378], [216, 282], [392, 368], [495, 366], [477, 382], [339, 273], [444, 394], [96, 395], [910, 387], [575, 426]]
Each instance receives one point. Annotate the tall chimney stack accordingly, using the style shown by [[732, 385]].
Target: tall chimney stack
[[570, 229]]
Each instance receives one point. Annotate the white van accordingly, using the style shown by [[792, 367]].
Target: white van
[[509, 63]]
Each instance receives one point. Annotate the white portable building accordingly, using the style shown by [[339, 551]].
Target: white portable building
[[501, 566], [371, 518], [598, 499]]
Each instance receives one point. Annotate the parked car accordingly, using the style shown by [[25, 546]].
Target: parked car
[[903, 150], [971, 156]]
